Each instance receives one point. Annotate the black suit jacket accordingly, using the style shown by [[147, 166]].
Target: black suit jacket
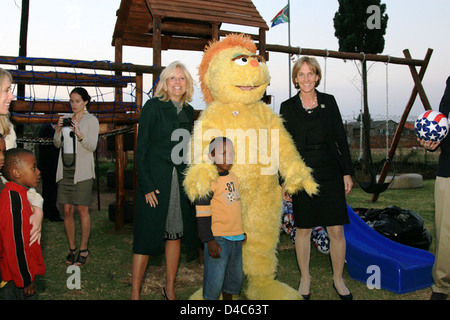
[[295, 123]]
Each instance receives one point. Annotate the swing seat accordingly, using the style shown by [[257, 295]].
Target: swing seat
[[372, 186]]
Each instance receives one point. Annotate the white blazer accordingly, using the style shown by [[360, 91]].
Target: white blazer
[[84, 157]]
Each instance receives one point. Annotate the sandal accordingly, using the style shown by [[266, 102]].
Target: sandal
[[82, 259], [70, 259]]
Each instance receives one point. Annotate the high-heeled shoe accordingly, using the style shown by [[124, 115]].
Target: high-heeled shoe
[[305, 296], [70, 259], [343, 296], [164, 293], [82, 258]]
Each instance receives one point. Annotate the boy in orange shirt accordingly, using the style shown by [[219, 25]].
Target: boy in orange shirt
[[220, 227]]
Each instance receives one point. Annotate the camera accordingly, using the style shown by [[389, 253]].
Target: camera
[[67, 122]]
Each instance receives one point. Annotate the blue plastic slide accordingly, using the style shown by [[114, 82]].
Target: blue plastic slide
[[378, 261]]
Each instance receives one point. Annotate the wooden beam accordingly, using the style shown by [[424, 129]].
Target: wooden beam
[[54, 106], [69, 79], [33, 118], [343, 55], [67, 63], [169, 42], [401, 124], [418, 82]]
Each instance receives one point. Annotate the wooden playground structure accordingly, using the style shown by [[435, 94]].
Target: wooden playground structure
[[167, 25]]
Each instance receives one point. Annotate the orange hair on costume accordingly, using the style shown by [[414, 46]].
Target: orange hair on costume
[[213, 48]]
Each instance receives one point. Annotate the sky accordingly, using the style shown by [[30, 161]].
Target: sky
[[83, 29]]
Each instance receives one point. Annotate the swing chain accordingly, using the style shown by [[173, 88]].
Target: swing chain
[[387, 107]]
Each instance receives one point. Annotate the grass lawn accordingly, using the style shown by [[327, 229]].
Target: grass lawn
[[107, 275]]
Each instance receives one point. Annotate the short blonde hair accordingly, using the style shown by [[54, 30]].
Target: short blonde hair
[[312, 63], [4, 74], [161, 88], [5, 124]]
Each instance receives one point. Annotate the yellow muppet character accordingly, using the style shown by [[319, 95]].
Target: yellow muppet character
[[233, 80]]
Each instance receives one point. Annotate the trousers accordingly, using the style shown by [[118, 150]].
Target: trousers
[[441, 267]]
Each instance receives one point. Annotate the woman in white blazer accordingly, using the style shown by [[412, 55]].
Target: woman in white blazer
[[77, 137]]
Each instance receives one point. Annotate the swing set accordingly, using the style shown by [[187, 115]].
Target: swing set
[[370, 184], [370, 169]]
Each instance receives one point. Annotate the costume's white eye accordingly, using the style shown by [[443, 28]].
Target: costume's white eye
[[242, 61]]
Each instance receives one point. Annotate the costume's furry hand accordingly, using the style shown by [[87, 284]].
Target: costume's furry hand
[[197, 182], [301, 181]]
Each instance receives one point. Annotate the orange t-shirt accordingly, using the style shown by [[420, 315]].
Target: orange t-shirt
[[223, 206]]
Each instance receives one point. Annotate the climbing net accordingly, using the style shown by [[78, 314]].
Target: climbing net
[[48, 83]]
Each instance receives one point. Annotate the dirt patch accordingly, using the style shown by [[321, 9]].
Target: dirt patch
[[189, 275]]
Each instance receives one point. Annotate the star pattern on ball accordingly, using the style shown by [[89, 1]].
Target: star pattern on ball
[[430, 130]]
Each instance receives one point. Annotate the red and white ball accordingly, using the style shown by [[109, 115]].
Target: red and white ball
[[431, 126]]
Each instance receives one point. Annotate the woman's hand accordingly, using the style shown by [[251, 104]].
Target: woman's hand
[[348, 183], [36, 225], [76, 129], [151, 198], [284, 194], [429, 145], [59, 124]]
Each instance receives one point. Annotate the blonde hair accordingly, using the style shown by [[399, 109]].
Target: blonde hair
[[5, 124], [161, 88], [312, 64]]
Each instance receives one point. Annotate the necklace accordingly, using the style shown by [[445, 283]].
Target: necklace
[[309, 109]]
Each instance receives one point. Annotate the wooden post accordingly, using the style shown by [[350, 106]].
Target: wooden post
[[401, 125], [215, 32], [156, 44], [23, 42], [418, 82], [22, 52], [262, 44], [120, 188], [139, 102], [119, 153]]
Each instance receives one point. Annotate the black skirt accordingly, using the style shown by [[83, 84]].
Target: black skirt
[[329, 207]]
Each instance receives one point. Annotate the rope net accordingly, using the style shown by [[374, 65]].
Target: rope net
[[47, 89]]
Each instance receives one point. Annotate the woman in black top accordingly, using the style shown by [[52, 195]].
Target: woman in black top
[[314, 121]]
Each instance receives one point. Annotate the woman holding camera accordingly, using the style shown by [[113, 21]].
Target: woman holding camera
[[77, 137]]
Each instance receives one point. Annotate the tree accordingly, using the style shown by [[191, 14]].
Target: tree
[[360, 26]]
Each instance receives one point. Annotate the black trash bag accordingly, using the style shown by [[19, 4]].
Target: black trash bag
[[400, 225]]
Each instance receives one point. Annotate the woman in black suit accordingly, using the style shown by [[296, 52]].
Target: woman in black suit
[[314, 121]]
